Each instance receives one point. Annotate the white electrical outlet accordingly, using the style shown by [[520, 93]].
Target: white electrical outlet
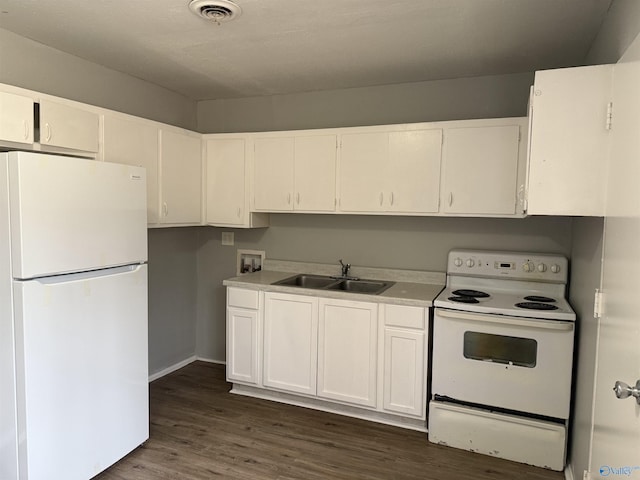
[[227, 238]]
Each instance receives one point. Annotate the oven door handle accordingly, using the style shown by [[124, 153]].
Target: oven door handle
[[557, 325]]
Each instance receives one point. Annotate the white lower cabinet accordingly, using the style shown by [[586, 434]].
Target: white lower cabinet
[[347, 351], [243, 333], [405, 355], [369, 357], [290, 342]]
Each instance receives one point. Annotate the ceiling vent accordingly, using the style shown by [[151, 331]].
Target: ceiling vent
[[217, 11]]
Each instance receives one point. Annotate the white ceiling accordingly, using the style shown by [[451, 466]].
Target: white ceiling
[[287, 46]]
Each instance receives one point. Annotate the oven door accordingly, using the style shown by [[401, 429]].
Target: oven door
[[508, 362]]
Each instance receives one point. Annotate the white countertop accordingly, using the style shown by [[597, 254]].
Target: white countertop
[[415, 288]]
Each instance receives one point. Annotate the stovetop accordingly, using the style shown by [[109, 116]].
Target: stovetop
[[507, 283], [506, 303]]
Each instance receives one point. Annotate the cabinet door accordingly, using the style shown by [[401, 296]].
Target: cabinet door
[[273, 174], [569, 142], [414, 171], [404, 372], [134, 142], [16, 118], [315, 173], [290, 342], [68, 127], [347, 351], [242, 345], [363, 161], [480, 170], [180, 178], [226, 181]]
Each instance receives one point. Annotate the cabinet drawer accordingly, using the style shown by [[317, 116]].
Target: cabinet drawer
[[239, 297], [404, 316]]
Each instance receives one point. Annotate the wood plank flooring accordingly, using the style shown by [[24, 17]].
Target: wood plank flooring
[[199, 431]]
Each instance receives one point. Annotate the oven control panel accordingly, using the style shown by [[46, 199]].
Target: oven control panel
[[541, 267]]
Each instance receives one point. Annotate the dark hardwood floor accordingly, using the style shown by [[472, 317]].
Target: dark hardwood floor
[[200, 431]]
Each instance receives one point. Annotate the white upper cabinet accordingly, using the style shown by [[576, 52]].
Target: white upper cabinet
[[134, 141], [273, 174], [294, 173], [482, 170], [227, 184], [16, 118], [569, 141], [225, 166], [67, 126], [390, 171], [180, 177], [315, 173]]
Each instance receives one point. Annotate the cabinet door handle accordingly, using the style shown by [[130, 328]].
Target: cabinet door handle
[[289, 198], [450, 198], [239, 212], [381, 198], [391, 200], [298, 198], [165, 208], [47, 129], [26, 129]]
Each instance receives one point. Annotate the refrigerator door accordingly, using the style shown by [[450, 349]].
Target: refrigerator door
[[71, 214], [81, 355]]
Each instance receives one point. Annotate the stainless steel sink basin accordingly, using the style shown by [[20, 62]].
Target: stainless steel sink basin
[[320, 282], [371, 287], [307, 281]]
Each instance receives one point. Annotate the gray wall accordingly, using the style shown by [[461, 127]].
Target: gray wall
[[619, 29], [31, 65], [173, 287], [417, 243], [456, 99]]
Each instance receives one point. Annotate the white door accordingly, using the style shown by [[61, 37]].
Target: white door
[[16, 118], [70, 214], [180, 177], [242, 345], [363, 171], [616, 435], [290, 342], [414, 171], [81, 356], [134, 142], [315, 173], [480, 170], [347, 351], [225, 181], [68, 127], [273, 174]]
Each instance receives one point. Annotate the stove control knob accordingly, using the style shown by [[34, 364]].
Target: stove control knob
[[542, 267], [470, 263], [528, 267], [458, 262], [555, 268]]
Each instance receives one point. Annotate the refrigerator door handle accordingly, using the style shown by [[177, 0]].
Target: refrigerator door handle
[[91, 274]]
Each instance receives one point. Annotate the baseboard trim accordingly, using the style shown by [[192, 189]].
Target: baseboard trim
[[172, 368], [568, 472], [211, 360]]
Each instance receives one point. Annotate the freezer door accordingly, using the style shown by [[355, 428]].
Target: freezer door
[[71, 214], [81, 346]]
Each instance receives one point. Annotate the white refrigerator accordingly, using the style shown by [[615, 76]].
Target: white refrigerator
[[73, 315]]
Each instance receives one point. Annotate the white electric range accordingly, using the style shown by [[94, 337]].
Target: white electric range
[[502, 362]]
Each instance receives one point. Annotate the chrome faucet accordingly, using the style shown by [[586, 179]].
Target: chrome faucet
[[345, 268]]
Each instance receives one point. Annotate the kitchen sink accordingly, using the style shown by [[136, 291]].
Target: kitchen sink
[[320, 282], [307, 281], [371, 287]]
